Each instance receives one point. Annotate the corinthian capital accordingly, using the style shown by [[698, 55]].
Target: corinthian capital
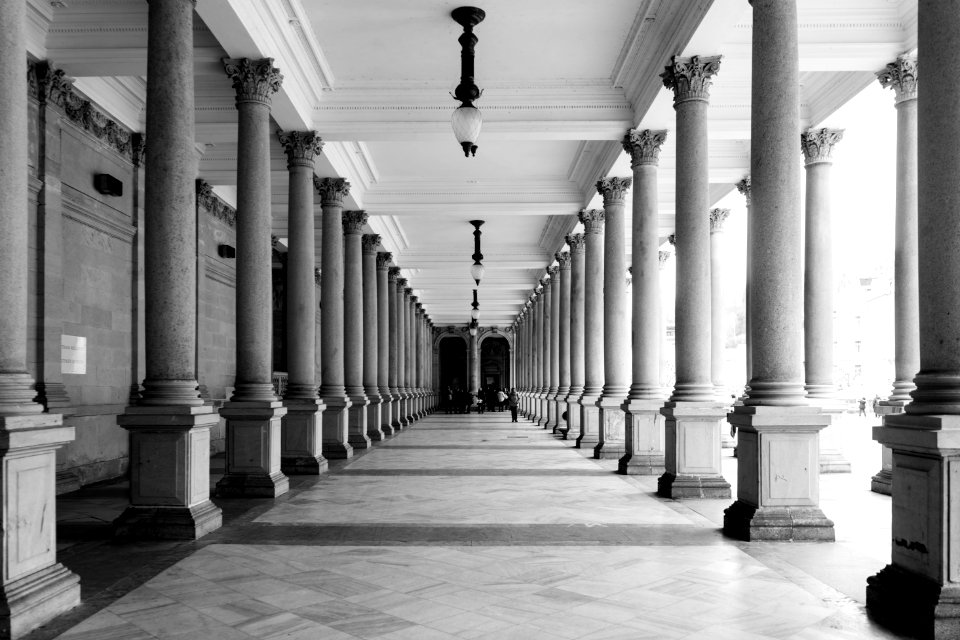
[[717, 218], [563, 258], [353, 221], [613, 190], [690, 77], [577, 243], [592, 220], [817, 144], [383, 260], [332, 190], [393, 273], [902, 76], [644, 146], [744, 188], [369, 242], [672, 239], [401, 285], [301, 147], [552, 272], [254, 80]]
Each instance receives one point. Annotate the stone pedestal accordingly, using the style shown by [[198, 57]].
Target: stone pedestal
[[643, 438], [253, 451], [35, 587], [589, 436], [335, 429], [882, 481], [169, 474], [692, 446], [301, 442], [778, 485], [357, 421], [612, 444]]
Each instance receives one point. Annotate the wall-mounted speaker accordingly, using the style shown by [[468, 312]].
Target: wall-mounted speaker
[[107, 185]]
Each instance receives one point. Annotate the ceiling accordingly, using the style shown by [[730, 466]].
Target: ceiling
[[563, 80]]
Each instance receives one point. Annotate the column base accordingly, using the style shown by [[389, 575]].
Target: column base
[[589, 436], [679, 487], [910, 603], [882, 482], [301, 448], [303, 465], [374, 418], [747, 522], [167, 523], [335, 428], [692, 451], [253, 451], [612, 444], [572, 430], [643, 439], [33, 600]]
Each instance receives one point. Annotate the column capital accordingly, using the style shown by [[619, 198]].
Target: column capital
[[302, 147], [672, 239], [577, 243], [414, 299], [901, 75], [332, 190], [663, 256], [644, 146], [369, 243], [613, 190], [254, 80], [401, 284], [563, 257], [717, 218], [383, 260], [552, 272], [393, 273], [592, 220], [408, 290], [353, 221], [690, 78], [817, 145], [744, 188]]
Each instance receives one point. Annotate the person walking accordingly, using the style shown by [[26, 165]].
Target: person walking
[[513, 402]]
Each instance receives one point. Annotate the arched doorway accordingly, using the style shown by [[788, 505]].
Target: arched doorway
[[453, 362], [495, 362]]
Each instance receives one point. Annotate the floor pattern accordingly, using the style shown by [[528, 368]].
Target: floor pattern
[[470, 527]]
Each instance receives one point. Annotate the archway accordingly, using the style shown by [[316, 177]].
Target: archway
[[453, 362], [495, 362]]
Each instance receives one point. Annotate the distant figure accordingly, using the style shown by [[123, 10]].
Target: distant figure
[[876, 406], [513, 401], [501, 399], [862, 403]]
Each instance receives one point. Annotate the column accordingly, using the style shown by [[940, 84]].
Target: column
[[539, 314], [418, 365], [577, 244], [254, 413], [546, 347], [563, 344], [410, 351], [644, 435], [402, 353], [332, 390], [616, 320], [371, 337], [744, 188], [693, 416], [718, 332], [383, 343], [394, 289], [301, 447], [817, 146], [474, 357], [901, 75], [592, 220], [555, 338], [777, 479], [521, 381], [353, 329], [527, 358]]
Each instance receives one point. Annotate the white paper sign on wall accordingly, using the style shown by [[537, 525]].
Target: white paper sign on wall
[[73, 354]]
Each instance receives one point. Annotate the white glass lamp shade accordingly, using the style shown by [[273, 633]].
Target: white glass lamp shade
[[475, 314], [476, 272], [466, 127], [473, 329]]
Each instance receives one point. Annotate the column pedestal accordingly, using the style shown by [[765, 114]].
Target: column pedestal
[[550, 412], [335, 428], [589, 436], [374, 418], [882, 482], [572, 402], [386, 414], [357, 422], [778, 485], [612, 444], [692, 461], [253, 451], [643, 438], [301, 448], [169, 473]]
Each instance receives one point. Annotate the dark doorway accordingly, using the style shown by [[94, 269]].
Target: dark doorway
[[453, 363], [495, 363]]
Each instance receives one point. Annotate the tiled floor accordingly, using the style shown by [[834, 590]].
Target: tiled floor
[[473, 527]]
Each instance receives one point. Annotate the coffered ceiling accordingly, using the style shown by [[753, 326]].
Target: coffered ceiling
[[563, 80]]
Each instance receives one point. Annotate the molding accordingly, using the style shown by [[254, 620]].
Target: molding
[[220, 271], [83, 209], [213, 204]]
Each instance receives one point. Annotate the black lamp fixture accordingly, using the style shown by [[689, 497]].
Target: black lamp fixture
[[466, 118], [475, 314], [476, 270]]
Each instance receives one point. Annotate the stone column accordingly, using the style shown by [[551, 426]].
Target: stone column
[[902, 77], [302, 428], [556, 411], [777, 479], [393, 289], [546, 346], [402, 353], [693, 416], [332, 390], [410, 351], [528, 322], [353, 329], [577, 244], [563, 344], [539, 329], [616, 320], [592, 220], [744, 188], [521, 382], [371, 337], [35, 587], [383, 343], [474, 356], [717, 330], [644, 444], [254, 413], [418, 366], [918, 591], [169, 427]]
